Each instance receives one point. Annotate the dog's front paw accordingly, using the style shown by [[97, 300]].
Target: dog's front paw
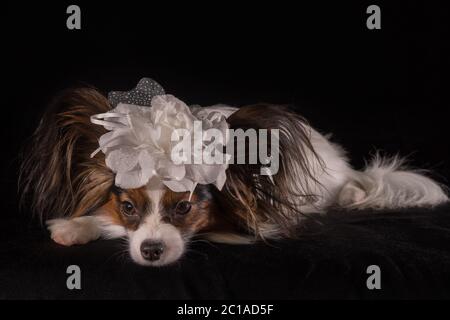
[[68, 232]]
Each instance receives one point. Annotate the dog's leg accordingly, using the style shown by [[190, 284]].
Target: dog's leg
[[350, 194], [82, 230]]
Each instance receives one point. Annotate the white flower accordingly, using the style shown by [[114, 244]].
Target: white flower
[[138, 146]]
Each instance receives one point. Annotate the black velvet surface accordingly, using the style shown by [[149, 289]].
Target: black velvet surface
[[328, 261]]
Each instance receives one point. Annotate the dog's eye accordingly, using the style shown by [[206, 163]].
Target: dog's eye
[[128, 208], [183, 207]]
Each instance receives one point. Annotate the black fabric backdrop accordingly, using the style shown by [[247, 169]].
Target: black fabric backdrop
[[373, 89]]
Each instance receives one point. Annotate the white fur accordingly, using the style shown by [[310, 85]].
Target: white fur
[[153, 228], [78, 230], [81, 230], [387, 185], [383, 184]]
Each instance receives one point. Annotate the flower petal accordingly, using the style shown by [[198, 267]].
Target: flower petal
[[220, 181], [147, 165], [168, 170], [143, 150], [129, 180], [179, 186], [205, 174], [122, 159]]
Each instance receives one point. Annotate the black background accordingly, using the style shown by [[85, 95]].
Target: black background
[[373, 89]]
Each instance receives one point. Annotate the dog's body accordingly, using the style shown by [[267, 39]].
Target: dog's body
[[314, 175]]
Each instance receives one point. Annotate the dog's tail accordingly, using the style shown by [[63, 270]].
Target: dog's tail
[[57, 176], [386, 183]]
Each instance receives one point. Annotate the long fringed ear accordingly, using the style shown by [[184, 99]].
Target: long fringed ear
[[269, 204], [57, 176]]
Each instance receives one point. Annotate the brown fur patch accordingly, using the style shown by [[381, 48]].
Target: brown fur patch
[[198, 219], [257, 200], [113, 210], [57, 172]]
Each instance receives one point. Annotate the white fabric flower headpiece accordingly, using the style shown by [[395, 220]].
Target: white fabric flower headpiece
[[138, 146]]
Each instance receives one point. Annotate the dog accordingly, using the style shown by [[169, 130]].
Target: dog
[[76, 194]]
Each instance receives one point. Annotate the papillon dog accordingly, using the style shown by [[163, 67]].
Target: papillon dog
[[77, 196]]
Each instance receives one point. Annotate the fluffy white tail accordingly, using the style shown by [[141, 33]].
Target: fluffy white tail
[[386, 183]]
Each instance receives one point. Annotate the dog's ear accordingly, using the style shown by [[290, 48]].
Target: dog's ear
[[269, 204], [57, 176]]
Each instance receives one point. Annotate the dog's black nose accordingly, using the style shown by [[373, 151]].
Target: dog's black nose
[[152, 250]]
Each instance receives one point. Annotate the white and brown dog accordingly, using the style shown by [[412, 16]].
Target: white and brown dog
[[80, 195]]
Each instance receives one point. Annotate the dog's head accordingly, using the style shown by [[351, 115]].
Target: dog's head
[[159, 222]]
